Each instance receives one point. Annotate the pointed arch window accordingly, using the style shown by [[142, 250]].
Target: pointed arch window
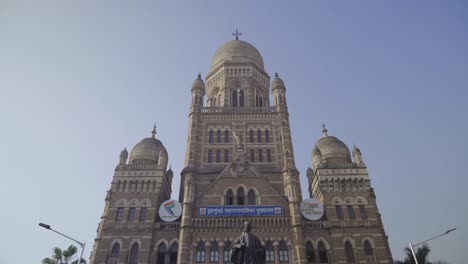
[[368, 249], [115, 253], [240, 196], [131, 214], [251, 198], [310, 254], [218, 156], [283, 252], [349, 252], [259, 136], [227, 252], [270, 252], [235, 98], [229, 200], [362, 211], [218, 136], [251, 136], [119, 214], [210, 156], [252, 155], [226, 136], [214, 252], [339, 212], [200, 253], [260, 155], [322, 253], [351, 212], [173, 253], [241, 98], [210, 137], [134, 251], [143, 214], [161, 255], [267, 136]]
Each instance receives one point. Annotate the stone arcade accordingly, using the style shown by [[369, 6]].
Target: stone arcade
[[240, 165]]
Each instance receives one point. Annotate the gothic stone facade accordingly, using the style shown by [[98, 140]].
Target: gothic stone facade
[[240, 153]]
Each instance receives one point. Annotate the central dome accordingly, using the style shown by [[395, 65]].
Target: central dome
[[147, 151], [237, 51], [333, 150]]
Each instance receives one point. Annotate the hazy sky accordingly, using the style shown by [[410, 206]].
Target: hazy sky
[[81, 80]]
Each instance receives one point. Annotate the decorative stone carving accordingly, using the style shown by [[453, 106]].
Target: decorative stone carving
[[240, 166]]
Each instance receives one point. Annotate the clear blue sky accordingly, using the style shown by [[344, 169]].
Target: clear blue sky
[[81, 80]]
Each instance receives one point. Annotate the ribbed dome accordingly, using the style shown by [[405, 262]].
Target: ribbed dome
[[237, 51], [198, 83], [277, 82], [333, 150], [147, 151]]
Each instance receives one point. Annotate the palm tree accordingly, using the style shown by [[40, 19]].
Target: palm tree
[[422, 255], [60, 256]]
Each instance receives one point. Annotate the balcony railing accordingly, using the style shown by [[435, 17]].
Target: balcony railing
[[238, 110]]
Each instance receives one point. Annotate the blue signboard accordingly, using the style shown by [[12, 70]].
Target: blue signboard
[[223, 211]]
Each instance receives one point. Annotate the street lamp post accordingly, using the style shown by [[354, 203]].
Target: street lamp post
[[415, 245], [82, 245]]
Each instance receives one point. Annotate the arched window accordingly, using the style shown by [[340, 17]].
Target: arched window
[[115, 253], [241, 98], [119, 214], [251, 136], [226, 136], [235, 98], [173, 253], [134, 254], [322, 253], [227, 252], [143, 213], [351, 212], [210, 156], [252, 155], [368, 249], [310, 254], [229, 200], [349, 252], [339, 212], [252, 200], [259, 135], [260, 155], [283, 252], [240, 196], [362, 210], [218, 136], [214, 252], [161, 255], [267, 136], [218, 156], [210, 138], [270, 252], [131, 214], [268, 155], [200, 253]]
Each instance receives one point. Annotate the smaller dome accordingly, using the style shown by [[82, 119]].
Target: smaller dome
[[124, 153], [277, 82], [147, 151], [198, 83]]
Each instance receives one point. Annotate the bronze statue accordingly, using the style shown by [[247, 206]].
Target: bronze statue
[[247, 249]]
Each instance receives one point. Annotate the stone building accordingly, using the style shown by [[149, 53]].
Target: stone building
[[239, 160]]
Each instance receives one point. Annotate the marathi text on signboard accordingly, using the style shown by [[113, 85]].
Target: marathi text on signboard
[[220, 211]]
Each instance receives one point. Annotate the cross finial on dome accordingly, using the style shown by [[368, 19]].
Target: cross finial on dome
[[199, 76], [154, 131], [324, 130], [237, 34]]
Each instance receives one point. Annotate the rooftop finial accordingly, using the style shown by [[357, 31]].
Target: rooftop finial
[[276, 75], [237, 34], [324, 130], [199, 75], [154, 131]]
